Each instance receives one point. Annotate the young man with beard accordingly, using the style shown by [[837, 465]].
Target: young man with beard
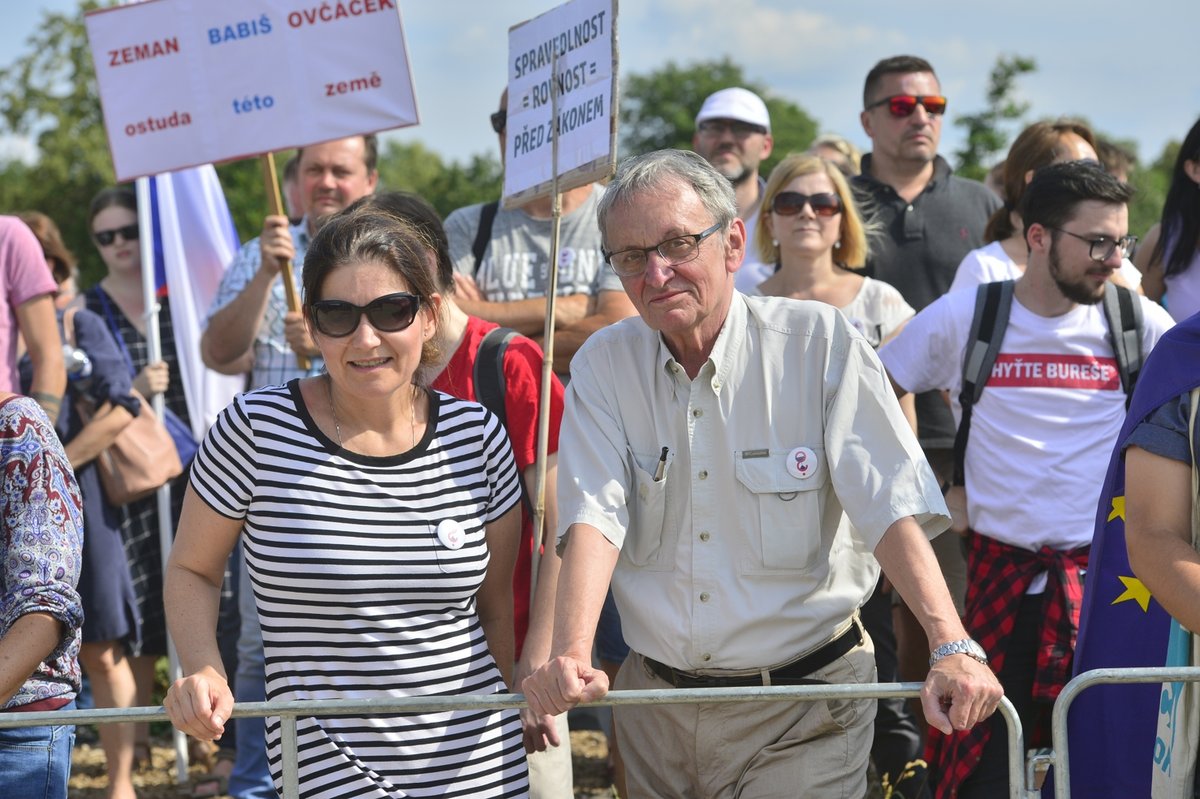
[[733, 133], [1039, 439]]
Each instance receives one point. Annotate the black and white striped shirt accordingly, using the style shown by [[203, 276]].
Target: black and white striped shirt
[[359, 597]]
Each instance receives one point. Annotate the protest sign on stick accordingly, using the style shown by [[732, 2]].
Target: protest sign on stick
[[571, 49], [188, 82], [560, 134]]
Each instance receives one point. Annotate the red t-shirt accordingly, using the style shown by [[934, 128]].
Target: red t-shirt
[[522, 388]]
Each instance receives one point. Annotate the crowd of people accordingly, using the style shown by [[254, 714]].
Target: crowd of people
[[779, 464]]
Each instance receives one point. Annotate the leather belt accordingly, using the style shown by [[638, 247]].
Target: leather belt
[[794, 673]]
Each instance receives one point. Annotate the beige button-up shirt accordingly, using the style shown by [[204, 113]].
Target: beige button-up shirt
[[750, 541]]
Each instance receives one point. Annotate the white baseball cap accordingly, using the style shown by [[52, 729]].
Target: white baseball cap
[[736, 103]]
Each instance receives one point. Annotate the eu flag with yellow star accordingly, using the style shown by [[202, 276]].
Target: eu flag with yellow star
[[1112, 728]]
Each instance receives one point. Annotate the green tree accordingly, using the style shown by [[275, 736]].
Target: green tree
[[49, 95], [986, 136], [658, 109], [414, 167], [1151, 182]]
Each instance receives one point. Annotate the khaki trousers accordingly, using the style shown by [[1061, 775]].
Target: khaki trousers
[[749, 750]]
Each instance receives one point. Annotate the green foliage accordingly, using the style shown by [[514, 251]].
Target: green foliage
[[414, 167], [1151, 182], [985, 135], [658, 109], [49, 94]]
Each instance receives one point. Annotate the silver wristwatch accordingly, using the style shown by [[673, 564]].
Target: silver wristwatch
[[966, 646]]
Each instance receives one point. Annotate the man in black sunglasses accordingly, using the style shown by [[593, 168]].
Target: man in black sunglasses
[[501, 259], [733, 133], [929, 219]]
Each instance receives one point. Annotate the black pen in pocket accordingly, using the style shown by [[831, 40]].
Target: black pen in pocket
[[661, 471]]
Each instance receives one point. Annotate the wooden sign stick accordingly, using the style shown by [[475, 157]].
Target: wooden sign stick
[[275, 201]]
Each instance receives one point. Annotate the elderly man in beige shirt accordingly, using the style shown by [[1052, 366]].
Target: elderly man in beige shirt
[[740, 468]]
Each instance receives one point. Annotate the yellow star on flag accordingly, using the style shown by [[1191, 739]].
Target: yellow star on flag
[[1135, 590], [1118, 509]]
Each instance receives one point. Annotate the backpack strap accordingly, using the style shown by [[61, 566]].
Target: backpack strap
[[488, 371], [993, 303], [483, 234], [1123, 311]]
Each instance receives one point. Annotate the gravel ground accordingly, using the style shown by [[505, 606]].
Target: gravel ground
[[589, 749]]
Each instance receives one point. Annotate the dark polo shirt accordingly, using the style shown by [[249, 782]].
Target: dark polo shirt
[[918, 248]]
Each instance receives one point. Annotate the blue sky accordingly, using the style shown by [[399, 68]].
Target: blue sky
[[1128, 67]]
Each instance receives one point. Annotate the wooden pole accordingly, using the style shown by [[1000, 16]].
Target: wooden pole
[[539, 505], [275, 201]]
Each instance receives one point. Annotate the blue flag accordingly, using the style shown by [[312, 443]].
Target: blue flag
[[1111, 728]]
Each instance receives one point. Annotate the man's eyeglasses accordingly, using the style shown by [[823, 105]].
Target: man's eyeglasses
[[903, 105], [107, 237], [390, 313], [675, 251], [499, 120], [719, 127], [790, 203], [1101, 249]]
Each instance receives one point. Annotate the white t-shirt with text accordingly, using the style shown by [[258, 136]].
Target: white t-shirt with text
[[1044, 427]]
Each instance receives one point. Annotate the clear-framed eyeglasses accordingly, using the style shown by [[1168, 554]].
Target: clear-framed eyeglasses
[[675, 251]]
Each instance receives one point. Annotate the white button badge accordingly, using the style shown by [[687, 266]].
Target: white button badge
[[451, 534], [802, 463]]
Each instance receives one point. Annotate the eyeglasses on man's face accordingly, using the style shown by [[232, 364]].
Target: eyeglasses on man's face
[[675, 251], [1102, 248], [499, 120], [719, 127]]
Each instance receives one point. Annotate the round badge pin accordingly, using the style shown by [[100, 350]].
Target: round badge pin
[[801, 463], [451, 534]]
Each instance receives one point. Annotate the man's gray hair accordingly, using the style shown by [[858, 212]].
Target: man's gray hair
[[653, 170]]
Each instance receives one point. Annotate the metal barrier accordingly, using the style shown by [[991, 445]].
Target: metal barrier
[[1058, 731], [288, 712]]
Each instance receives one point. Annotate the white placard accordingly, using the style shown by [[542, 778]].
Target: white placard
[[186, 82], [584, 35]]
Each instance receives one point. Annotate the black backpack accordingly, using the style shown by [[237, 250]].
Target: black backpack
[[993, 302], [489, 383]]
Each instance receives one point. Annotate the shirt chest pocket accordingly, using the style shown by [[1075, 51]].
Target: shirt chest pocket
[[785, 501], [645, 542]]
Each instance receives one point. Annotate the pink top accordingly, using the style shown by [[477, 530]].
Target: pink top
[[23, 276]]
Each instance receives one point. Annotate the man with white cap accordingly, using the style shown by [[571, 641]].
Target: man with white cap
[[733, 133]]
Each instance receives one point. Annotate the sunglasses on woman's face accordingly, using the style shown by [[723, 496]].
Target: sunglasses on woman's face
[[107, 237], [790, 203], [390, 313]]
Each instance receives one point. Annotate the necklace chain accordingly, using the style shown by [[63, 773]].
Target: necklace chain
[[337, 426]]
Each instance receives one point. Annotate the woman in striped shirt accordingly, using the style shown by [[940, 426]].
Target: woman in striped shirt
[[380, 522]]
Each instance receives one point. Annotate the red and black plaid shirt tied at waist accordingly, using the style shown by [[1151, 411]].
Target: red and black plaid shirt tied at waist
[[998, 575]]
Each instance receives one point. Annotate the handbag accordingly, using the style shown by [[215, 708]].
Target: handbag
[[185, 445], [141, 458]]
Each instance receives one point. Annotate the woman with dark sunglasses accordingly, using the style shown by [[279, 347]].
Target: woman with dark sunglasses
[[380, 523], [118, 300], [811, 230]]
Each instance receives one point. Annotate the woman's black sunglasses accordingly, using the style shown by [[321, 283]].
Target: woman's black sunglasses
[[107, 237], [390, 313]]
